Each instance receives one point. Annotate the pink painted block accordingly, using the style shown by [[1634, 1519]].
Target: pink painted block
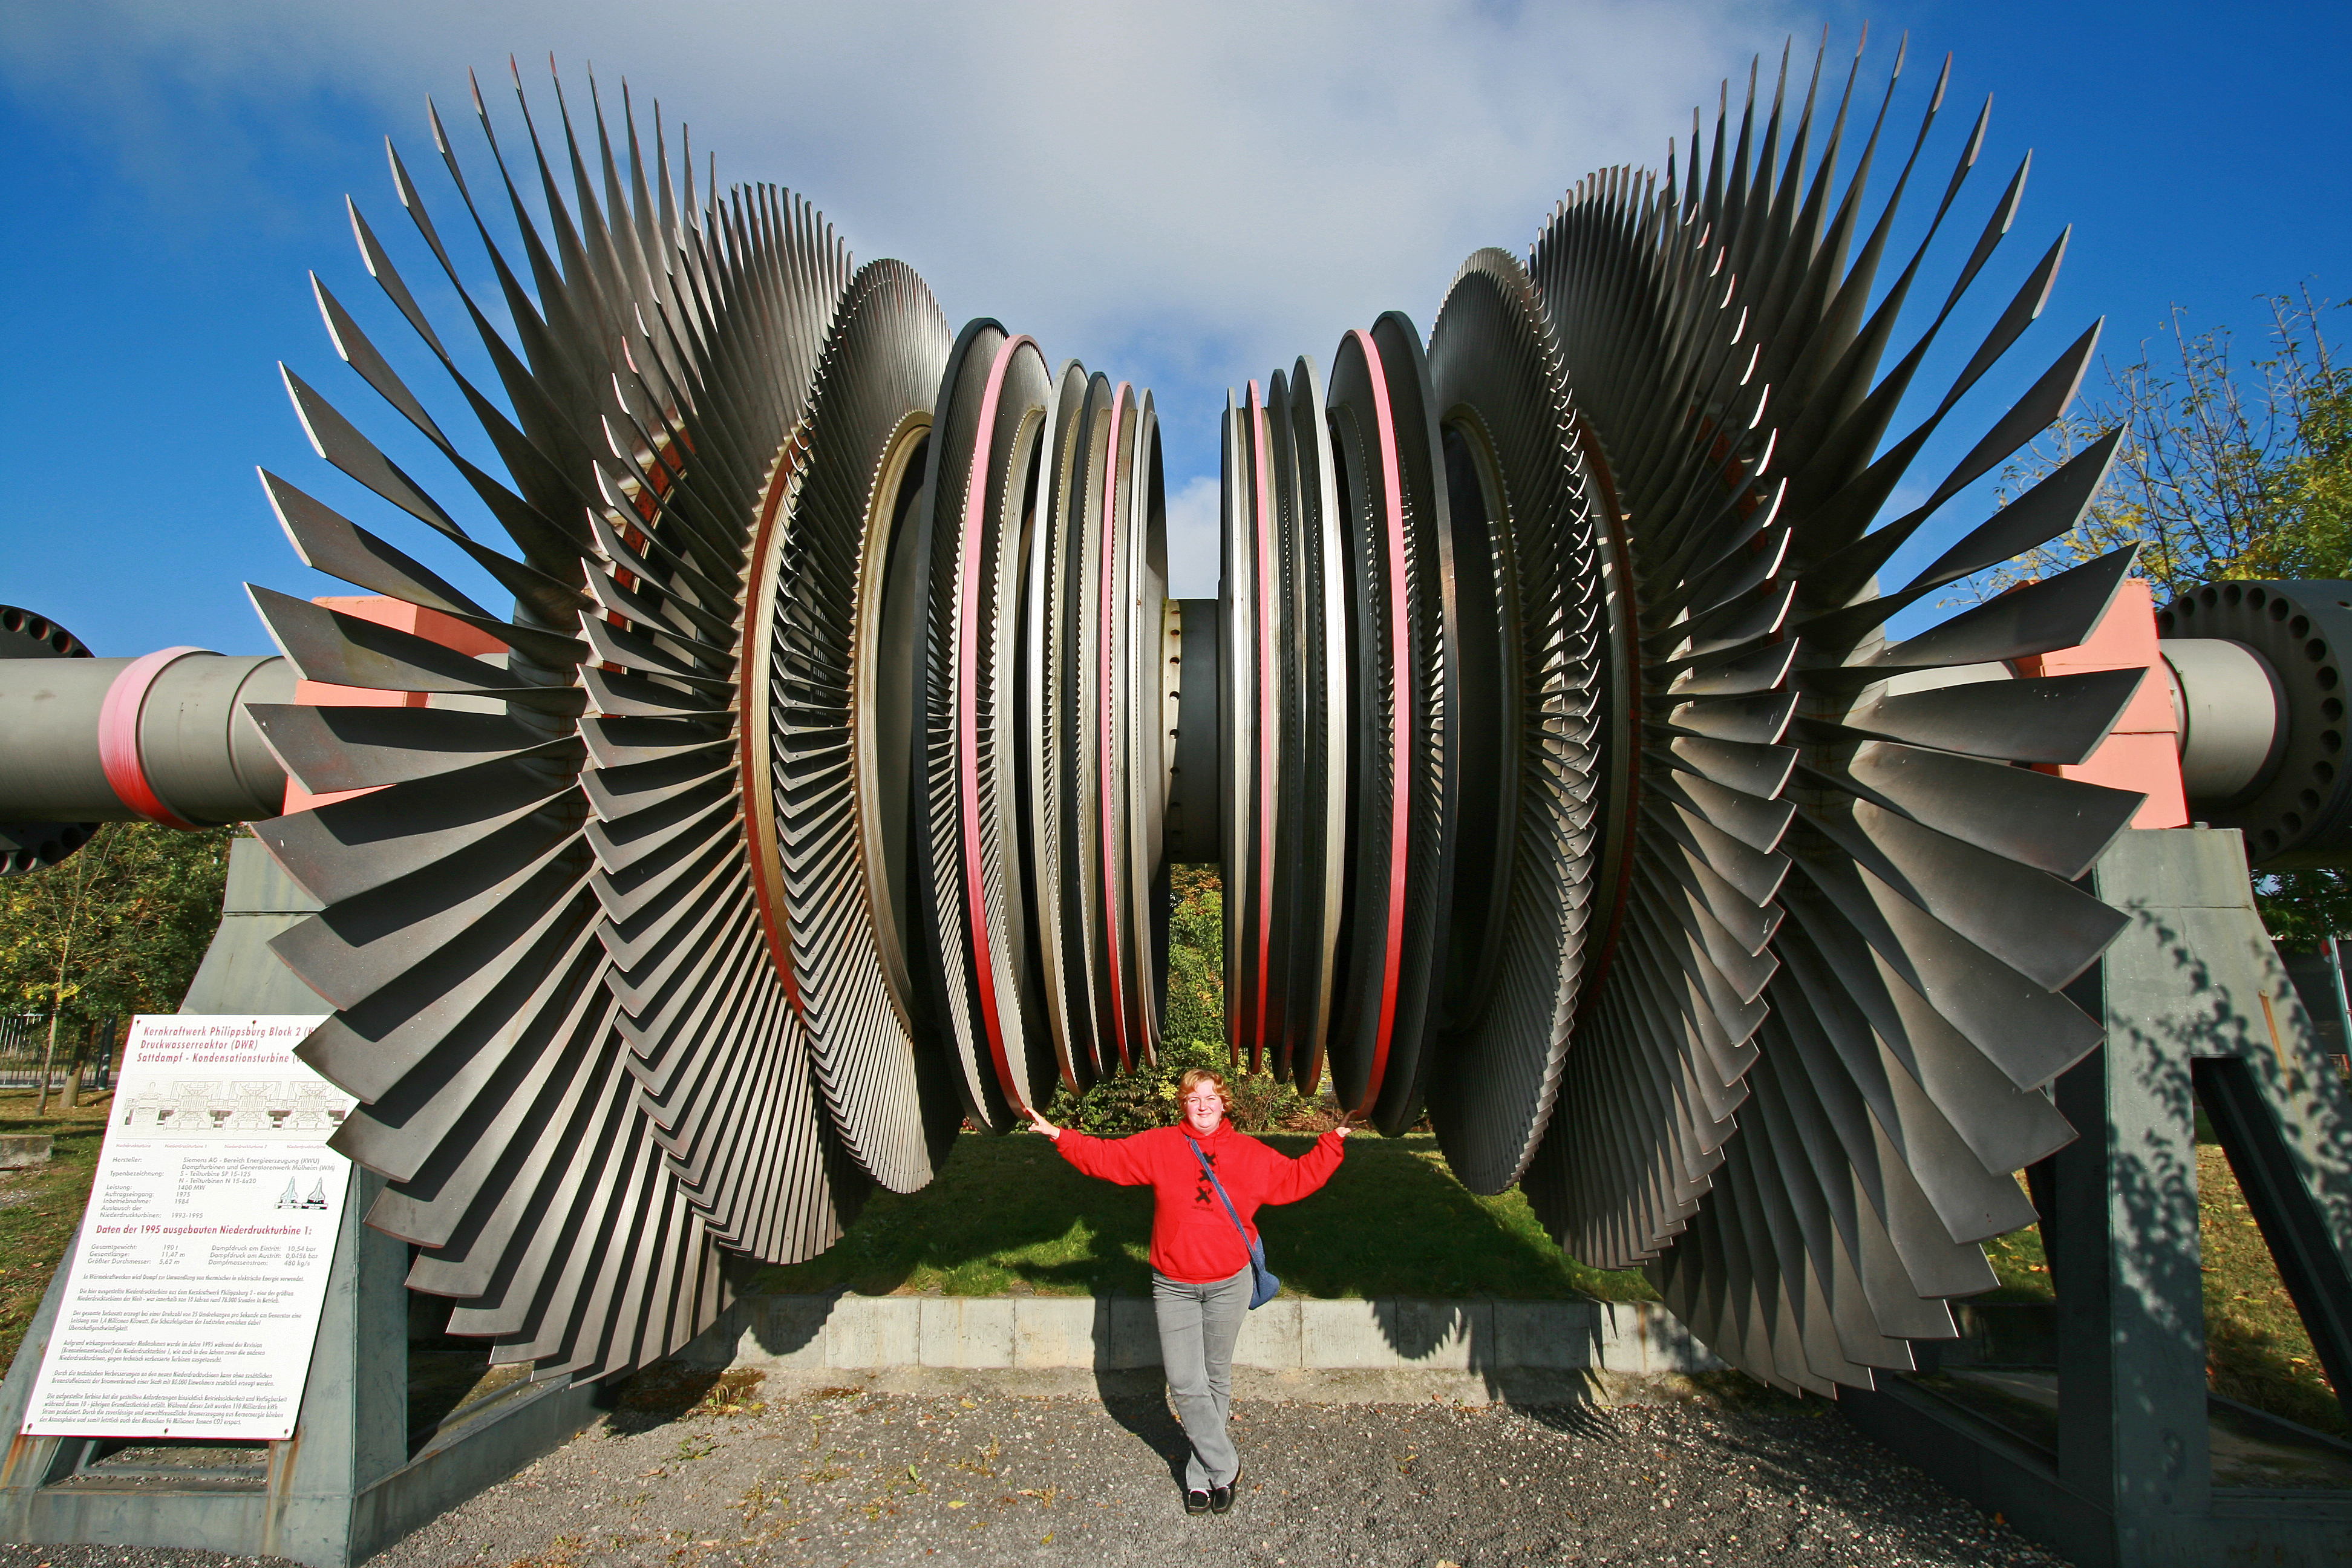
[[431, 625], [2143, 752], [2146, 762]]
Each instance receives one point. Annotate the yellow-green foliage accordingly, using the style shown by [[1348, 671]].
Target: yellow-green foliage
[[116, 928], [2230, 466], [1196, 955], [1194, 1035]]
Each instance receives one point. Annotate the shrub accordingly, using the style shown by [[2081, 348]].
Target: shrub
[[1196, 954], [1263, 1103], [1118, 1105], [1136, 1101]]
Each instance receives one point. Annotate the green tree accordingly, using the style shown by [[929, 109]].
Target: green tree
[[114, 929], [1196, 955], [2300, 909], [2225, 470]]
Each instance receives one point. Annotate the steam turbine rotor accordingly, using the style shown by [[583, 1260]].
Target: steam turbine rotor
[[819, 791]]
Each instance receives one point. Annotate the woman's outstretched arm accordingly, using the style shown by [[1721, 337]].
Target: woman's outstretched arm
[[1286, 1180], [1108, 1159]]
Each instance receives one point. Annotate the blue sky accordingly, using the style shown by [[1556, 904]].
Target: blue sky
[[1182, 195]]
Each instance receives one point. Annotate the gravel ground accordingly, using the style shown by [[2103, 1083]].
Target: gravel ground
[[870, 1479]]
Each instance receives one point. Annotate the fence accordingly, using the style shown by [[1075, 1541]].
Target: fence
[[2319, 982], [25, 1038]]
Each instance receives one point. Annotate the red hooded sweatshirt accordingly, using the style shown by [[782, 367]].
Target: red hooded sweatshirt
[[1191, 1238]]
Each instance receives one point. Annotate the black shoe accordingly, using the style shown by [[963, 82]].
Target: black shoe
[[1198, 1501], [1221, 1498]]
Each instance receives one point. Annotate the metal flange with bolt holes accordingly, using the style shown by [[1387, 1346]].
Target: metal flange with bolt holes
[[2257, 672], [26, 845]]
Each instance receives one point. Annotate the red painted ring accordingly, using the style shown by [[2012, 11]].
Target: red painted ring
[[118, 734], [967, 732], [1104, 781], [1401, 719]]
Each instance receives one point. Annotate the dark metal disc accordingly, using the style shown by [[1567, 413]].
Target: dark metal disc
[[27, 845], [1536, 686], [972, 875], [1406, 770], [825, 800]]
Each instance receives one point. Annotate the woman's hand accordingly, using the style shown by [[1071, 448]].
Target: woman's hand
[[1347, 1122], [1042, 1125]]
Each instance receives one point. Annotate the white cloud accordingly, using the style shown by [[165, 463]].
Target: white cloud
[[1194, 519], [1193, 193]]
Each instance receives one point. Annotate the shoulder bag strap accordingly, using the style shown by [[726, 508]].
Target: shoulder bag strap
[[1231, 1212]]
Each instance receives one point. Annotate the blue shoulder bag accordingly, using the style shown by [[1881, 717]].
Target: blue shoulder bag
[[1263, 1285]]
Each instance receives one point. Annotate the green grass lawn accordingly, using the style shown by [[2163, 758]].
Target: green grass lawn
[[41, 1207], [1009, 1215]]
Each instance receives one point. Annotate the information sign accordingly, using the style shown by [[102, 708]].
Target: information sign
[[202, 1267]]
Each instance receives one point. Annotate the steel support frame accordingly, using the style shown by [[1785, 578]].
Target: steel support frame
[[2195, 1004]]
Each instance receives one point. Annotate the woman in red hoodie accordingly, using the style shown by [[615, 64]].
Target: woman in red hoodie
[[1199, 1265]]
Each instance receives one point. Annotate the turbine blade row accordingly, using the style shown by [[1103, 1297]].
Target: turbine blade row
[[585, 1069], [697, 899], [1815, 1038]]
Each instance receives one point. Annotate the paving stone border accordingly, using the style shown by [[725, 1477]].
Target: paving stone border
[[1473, 1352]]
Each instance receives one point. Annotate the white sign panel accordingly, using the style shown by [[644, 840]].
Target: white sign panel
[[202, 1267]]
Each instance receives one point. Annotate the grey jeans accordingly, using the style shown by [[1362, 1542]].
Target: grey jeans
[[1198, 1326]]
